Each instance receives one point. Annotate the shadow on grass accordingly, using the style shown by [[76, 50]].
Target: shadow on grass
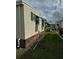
[[50, 47]]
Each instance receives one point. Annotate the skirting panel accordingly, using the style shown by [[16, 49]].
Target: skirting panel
[[25, 43]]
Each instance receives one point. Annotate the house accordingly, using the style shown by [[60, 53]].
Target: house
[[60, 23], [59, 27], [29, 24]]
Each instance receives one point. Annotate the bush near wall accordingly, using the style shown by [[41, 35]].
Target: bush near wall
[[48, 29]]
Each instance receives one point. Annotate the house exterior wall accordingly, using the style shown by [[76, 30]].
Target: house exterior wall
[[40, 25], [28, 23], [25, 26]]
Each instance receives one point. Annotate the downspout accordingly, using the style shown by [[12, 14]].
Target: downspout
[[19, 28]]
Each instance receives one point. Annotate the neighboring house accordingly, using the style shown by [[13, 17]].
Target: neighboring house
[[59, 27], [29, 24], [59, 24]]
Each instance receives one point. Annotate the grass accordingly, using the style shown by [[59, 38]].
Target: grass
[[20, 52], [50, 47]]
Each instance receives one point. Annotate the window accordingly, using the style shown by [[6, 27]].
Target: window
[[36, 19], [42, 23], [33, 16], [36, 23]]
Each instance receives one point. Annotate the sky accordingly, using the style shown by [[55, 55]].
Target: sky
[[52, 9]]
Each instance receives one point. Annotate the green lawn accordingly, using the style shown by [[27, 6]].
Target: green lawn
[[50, 47]]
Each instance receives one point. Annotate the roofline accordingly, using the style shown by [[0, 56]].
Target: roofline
[[21, 2]]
